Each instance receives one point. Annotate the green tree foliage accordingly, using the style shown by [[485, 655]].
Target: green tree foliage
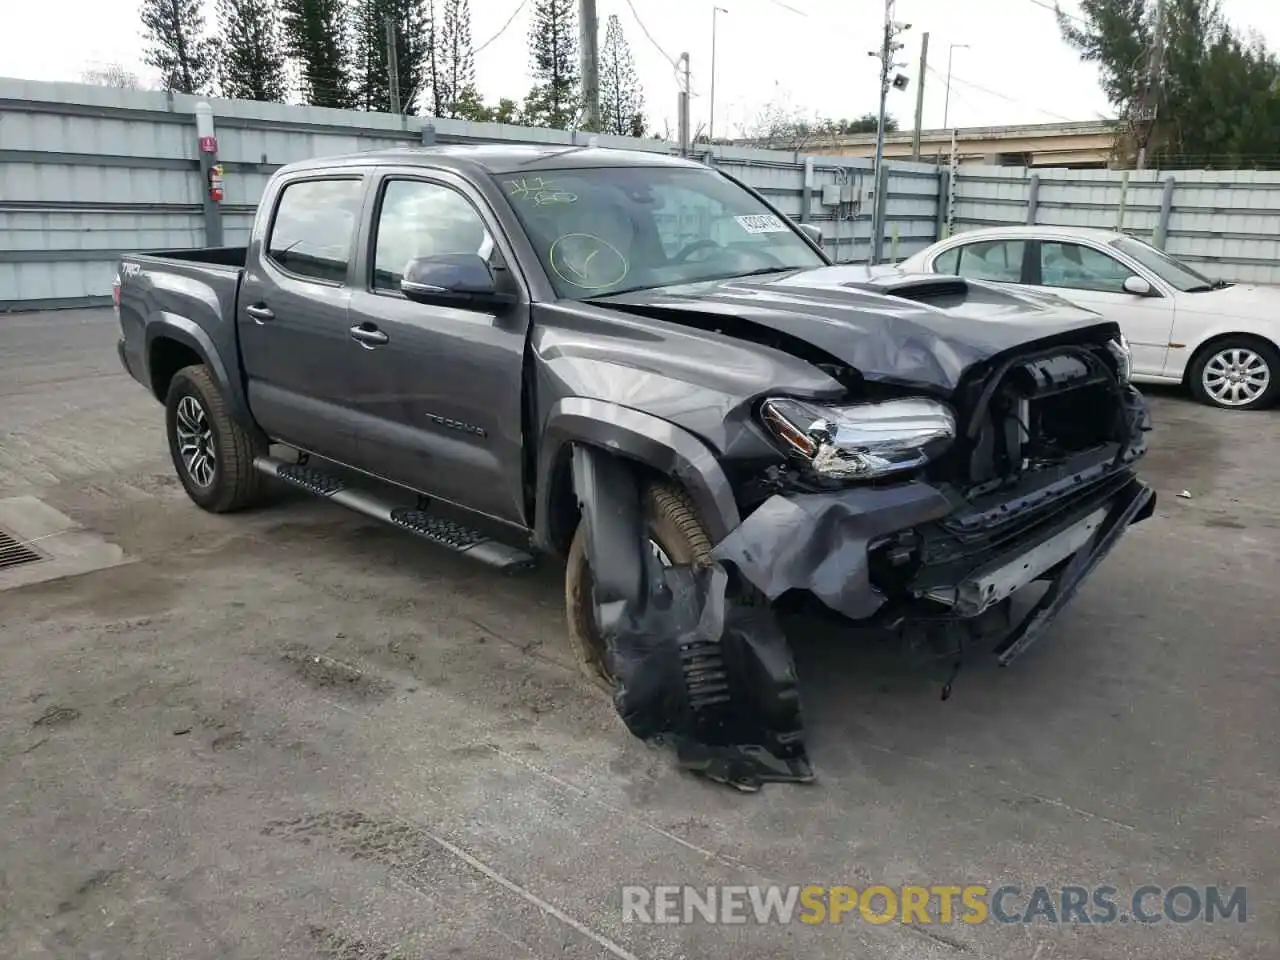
[[415, 53], [621, 98], [173, 31], [1217, 94], [314, 33], [553, 48], [457, 67], [250, 57]]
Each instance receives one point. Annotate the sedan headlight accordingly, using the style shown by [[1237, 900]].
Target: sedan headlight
[[1124, 357], [861, 441]]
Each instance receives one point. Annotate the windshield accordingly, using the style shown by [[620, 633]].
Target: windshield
[[604, 230], [1177, 275]]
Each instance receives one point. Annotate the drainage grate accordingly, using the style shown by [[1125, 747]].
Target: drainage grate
[[14, 553]]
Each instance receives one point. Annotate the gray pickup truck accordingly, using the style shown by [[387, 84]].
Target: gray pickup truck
[[637, 364]]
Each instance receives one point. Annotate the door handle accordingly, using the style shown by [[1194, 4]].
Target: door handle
[[260, 313], [368, 336]]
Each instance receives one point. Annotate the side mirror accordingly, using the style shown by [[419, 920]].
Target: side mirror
[[1137, 286], [810, 231], [452, 279]]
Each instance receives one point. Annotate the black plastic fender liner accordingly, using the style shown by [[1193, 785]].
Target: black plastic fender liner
[[818, 541], [693, 667]]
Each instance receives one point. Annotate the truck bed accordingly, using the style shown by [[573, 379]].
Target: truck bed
[[214, 256]]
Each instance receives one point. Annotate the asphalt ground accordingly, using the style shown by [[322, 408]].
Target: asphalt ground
[[293, 733]]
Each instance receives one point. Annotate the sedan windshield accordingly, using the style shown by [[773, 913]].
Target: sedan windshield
[[603, 230], [1176, 274]]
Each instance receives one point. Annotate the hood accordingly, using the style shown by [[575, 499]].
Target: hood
[[921, 331], [1242, 300]]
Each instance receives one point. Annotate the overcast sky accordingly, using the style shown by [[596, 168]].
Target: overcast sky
[[809, 53]]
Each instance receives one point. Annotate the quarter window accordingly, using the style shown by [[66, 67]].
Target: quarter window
[[1077, 267], [998, 260], [314, 226], [419, 219], [947, 261]]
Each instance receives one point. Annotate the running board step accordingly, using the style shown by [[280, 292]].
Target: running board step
[[441, 531]]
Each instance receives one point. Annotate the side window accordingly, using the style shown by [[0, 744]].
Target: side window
[[420, 219], [947, 261], [998, 260], [315, 220], [1074, 267]]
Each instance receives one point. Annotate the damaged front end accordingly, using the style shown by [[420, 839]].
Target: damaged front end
[[695, 663], [910, 515]]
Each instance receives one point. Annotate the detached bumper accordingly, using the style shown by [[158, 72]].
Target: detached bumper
[[823, 544]]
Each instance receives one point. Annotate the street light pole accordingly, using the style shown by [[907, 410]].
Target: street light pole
[[946, 105], [711, 121]]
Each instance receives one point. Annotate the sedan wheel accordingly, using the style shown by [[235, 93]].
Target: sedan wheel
[[1236, 374]]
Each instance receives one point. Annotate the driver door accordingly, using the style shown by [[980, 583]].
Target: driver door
[[1093, 279], [443, 415]]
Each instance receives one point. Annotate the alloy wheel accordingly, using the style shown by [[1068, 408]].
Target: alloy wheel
[[195, 441], [1236, 377]]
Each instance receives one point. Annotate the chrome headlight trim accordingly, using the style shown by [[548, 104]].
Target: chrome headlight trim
[[863, 441]]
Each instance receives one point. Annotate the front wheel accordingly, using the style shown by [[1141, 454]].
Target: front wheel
[[676, 536], [212, 453], [1238, 373]]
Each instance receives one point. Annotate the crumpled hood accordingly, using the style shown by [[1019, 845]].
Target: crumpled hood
[[848, 312]]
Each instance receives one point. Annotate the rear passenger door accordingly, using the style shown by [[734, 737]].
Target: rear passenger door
[[998, 261], [445, 414], [292, 316]]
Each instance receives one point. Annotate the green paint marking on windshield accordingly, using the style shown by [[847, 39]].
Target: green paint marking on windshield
[[539, 191]]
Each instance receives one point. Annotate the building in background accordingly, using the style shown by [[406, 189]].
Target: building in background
[[1087, 144]]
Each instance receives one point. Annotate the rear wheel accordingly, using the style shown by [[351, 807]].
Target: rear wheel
[[1238, 373], [677, 537], [212, 454]]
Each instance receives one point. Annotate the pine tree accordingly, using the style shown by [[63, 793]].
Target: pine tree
[[176, 44], [314, 33], [553, 44], [621, 99], [1215, 94], [456, 63], [250, 58], [414, 39]]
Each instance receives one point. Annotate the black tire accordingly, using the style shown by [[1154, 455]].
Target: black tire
[[232, 483], [674, 526], [1265, 353]]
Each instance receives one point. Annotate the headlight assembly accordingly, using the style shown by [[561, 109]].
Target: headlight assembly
[[861, 441], [1124, 357]]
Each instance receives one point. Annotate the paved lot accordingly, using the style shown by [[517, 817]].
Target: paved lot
[[181, 778]]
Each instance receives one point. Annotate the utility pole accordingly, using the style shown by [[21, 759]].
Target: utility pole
[[888, 47], [1144, 120], [683, 111], [924, 65], [588, 38], [946, 103], [393, 67], [711, 121]]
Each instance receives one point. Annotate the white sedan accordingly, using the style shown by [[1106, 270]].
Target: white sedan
[[1217, 338]]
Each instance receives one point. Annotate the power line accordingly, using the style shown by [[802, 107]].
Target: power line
[[789, 8], [648, 36], [1054, 8], [1007, 99], [511, 19]]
